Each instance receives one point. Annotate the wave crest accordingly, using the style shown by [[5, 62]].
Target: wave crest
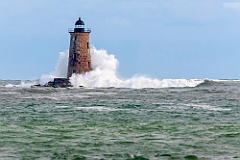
[[104, 74]]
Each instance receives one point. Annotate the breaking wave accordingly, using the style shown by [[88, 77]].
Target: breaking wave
[[60, 69], [21, 84], [104, 74]]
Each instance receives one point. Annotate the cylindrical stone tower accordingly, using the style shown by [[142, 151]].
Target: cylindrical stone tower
[[79, 60]]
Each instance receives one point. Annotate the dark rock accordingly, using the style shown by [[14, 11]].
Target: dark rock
[[61, 83], [56, 83]]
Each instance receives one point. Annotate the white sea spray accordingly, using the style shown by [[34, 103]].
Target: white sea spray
[[60, 69], [104, 73]]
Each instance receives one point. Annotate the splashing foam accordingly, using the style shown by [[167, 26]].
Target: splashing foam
[[104, 74], [60, 69]]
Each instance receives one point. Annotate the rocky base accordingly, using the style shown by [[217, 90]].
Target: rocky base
[[56, 83]]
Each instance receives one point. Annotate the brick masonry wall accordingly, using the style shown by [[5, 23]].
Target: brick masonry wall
[[79, 53]]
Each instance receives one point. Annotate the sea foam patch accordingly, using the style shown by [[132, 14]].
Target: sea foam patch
[[207, 107]]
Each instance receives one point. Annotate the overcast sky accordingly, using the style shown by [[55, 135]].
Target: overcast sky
[[157, 38]]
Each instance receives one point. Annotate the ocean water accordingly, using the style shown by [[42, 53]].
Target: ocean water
[[130, 123]]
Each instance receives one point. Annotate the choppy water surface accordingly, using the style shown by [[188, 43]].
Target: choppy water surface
[[202, 122]]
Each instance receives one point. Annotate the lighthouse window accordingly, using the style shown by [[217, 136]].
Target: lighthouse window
[[87, 45], [79, 26], [89, 65], [74, 38], [75, 56]]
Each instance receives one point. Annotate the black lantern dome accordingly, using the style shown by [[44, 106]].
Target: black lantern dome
[[79, 23], [79, 27]]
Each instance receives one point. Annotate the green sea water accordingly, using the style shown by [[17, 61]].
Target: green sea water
[[202, 123]]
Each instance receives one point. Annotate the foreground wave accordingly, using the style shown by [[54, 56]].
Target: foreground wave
[[120, 123]]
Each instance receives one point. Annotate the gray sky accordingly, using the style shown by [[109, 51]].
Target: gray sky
[[158, 38]]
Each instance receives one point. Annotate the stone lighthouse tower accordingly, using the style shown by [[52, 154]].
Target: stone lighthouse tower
[[79, 60]]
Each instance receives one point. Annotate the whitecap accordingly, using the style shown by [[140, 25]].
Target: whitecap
[[61, 106], [97, 108], [207, 107]]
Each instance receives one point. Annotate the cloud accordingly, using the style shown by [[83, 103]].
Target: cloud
[[232, 5]]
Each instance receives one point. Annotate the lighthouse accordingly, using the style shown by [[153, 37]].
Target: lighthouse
[[79, 60]]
